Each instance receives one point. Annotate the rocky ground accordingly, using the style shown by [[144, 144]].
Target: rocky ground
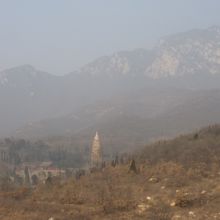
[[117, 194]]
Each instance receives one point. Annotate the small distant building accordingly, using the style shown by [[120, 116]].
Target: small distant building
[[96, 153]]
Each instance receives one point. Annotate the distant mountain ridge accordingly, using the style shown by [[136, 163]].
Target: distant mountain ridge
[[191, 52], [187, 61]]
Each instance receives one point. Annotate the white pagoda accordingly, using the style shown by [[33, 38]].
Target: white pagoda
[[96, 152]]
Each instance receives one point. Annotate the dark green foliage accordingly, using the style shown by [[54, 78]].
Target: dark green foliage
[[17, 151], [65, 159]]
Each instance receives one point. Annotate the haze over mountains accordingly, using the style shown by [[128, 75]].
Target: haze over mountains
[[131, 95]]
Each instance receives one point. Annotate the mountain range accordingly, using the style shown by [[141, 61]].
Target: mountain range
[[134, 95]]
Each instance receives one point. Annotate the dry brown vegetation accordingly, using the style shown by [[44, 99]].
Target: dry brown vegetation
[[177, 179]]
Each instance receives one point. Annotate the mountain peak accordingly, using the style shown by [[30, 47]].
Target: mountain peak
[[25, 67], [26, 71], [192, 52]]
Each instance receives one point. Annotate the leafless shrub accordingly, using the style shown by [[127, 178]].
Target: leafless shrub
[[159, 212], [188, 200]]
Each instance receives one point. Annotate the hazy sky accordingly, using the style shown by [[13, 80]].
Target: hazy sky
[[61, 35]]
